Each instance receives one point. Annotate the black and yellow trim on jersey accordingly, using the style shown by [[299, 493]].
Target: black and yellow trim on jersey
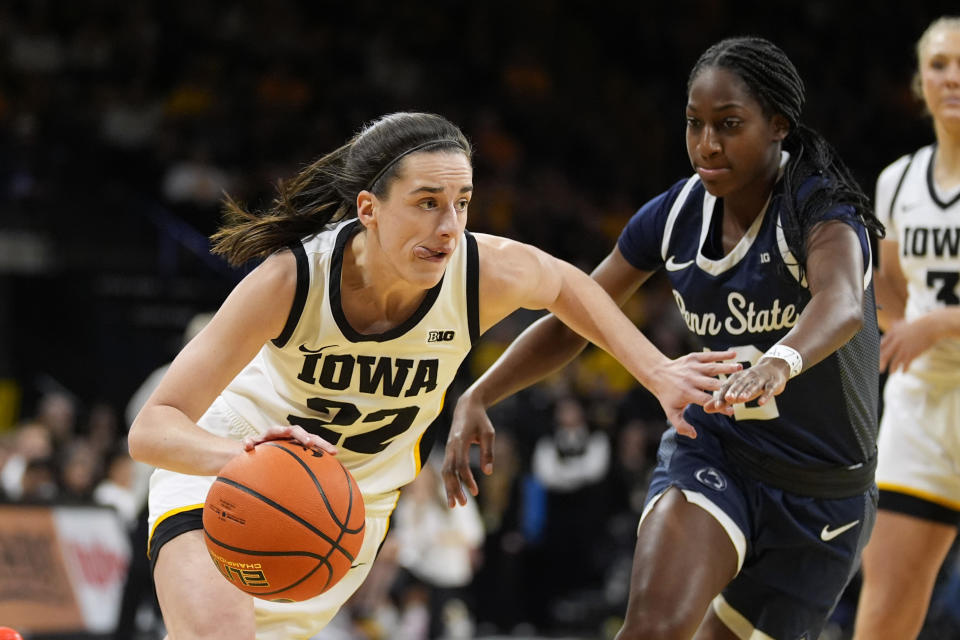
[[299, 298], [918, 503], [473, 287], [170, 525]]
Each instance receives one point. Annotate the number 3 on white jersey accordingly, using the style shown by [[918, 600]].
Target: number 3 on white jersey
[[747, 355]]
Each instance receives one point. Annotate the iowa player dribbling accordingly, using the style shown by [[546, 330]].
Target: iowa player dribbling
[[346, 338]]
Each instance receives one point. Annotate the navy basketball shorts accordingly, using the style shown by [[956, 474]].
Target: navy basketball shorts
[[796, 553]]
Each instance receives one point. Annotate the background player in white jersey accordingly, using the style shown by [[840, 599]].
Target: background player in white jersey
[[345, 338], [918, 472], [760, 505]]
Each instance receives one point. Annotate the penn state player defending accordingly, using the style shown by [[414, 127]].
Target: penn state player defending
[[918, 197], [346, 338], [764, 498]]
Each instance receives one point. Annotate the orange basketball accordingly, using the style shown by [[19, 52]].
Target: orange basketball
[[284, 522]]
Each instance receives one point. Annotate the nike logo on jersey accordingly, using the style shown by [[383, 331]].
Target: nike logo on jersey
[[673, 265], [829, 534], [305, 349]]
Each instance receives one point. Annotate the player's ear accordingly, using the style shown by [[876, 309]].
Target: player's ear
[[781, 127], [366, 207]]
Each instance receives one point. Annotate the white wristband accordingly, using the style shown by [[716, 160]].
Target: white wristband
[[788, 354]]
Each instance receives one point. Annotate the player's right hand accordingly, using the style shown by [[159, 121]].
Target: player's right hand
[[470, 426], [691, 379], [290, 432]]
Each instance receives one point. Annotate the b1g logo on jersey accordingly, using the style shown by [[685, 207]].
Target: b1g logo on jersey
[[440, 336]]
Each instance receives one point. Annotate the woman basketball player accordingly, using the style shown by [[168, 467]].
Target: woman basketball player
[[346, 338], [763, 499], [917, 288]]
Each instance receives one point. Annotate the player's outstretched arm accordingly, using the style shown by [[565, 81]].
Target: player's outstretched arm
[[514, 275]]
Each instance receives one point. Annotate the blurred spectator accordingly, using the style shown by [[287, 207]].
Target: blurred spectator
[[102, 429], [116, 490], [58, 411], [438, 552], [35, 47], [131, 117], [500, 583], [80, 470], [38, 483], [32, 442], [196, 180], [571, 463]]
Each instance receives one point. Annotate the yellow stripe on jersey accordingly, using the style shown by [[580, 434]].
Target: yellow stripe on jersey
[[919, 493], [416, 449], [169, 514]]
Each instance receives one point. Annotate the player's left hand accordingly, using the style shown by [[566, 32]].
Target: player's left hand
[[760, 382], [904, 341], [290, 432]]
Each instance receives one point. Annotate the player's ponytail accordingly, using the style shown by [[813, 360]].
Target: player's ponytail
[[325, 191], [815, 179]]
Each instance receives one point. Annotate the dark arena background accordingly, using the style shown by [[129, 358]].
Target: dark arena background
[[121, 125]]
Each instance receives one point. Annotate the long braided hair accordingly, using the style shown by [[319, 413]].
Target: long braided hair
[[325, 191], [773, 81]]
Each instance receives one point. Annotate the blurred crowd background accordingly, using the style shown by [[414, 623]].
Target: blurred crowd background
[[122, 123]]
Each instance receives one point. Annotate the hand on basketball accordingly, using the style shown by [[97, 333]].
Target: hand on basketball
[[470, 426], [292, 432], [904, 341], [760, 382], [689, 380]]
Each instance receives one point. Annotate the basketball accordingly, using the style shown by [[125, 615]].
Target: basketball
[[283, 522], [6, 633]]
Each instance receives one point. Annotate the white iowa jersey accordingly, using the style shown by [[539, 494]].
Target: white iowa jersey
[[371, 395], [926, 223]]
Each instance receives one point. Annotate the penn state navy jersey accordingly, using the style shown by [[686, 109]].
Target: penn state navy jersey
[[749, 299]]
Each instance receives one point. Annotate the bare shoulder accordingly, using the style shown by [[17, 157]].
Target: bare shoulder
[[267, 292], [513, 275], [279, 269], [505, 258]]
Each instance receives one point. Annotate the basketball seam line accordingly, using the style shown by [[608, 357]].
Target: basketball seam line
[[321, 561], [343, 525], [284, 510]]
